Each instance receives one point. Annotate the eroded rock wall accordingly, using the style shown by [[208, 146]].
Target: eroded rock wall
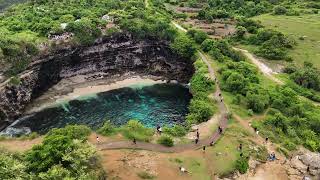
[[118, 54]]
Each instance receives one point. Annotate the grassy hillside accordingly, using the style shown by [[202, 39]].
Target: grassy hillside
[[306, 26]]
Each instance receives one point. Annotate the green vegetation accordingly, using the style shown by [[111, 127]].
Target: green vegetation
[[198, 36], [132, 130], [287, 115], [225, 152], [107, 129], [304, 29], [25, 26], [175, 130], [64, 153], [201, 107], [184, 46], [227, 9], [269, 43], [145, 175], [30, 136], [242, 164], [166, 141], [307, 77], [135, 130], [80, 132]]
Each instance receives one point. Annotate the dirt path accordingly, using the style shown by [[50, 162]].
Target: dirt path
[[269, 170], [20, 145], [268, 72], [179, 27]]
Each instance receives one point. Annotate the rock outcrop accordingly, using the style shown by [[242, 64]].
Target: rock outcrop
[[114, 55]]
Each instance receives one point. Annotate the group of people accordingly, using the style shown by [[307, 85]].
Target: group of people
[[272, 157]]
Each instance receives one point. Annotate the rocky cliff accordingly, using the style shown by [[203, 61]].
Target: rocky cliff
[[114, 55]]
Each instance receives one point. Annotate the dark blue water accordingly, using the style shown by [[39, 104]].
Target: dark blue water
[[152, 105]]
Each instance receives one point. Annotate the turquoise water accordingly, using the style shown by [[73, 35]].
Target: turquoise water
[[152, 105]]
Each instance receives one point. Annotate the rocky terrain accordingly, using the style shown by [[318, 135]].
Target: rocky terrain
[[110, 56]]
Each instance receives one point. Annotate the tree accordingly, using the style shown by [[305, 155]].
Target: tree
[[166, 141], [184, 46], [279, 10], [42, 157], [208, 45], [12, 167], [242, 165], [197, 35], [235, 82], [257, 99], [199, 111], [241, 31]]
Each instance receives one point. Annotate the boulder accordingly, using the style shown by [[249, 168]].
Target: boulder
[[311, 159]]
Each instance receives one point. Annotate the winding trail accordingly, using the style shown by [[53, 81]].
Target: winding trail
[[183, 147]]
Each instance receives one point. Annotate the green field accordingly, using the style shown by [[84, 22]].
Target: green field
[[296, 27]]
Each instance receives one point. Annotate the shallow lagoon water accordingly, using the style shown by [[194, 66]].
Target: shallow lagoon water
[[151, 104]]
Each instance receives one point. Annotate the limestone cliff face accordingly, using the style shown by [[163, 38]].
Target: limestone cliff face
[[118, 54]]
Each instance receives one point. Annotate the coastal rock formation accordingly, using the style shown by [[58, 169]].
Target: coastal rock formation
[[110, 56]]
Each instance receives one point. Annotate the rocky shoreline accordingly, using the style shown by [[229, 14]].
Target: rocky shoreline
[[110, 57]]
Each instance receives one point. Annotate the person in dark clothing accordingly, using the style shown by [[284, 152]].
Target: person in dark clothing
[[255, 129], [267, 139], [211, 143], [134, 141], [204, 148], [220, 130], [219, 94], [196, 140], [198, 134], [241, 154], [240, 147]]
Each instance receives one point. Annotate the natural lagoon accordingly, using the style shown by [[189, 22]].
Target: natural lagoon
[[151, 104]]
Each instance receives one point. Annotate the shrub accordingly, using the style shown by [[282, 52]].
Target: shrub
[[80, 132], [15, 81], [207, 45], [107, 128], [197, 35], [279, 10], [199, 111], [242, 165], [135, 130], [201, 84], [289, 145], [166, 141], [241, 31], [176, 130], [183, 46], [11, 167], [145, 175]]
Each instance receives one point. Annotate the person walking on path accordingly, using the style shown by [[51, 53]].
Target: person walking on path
[[240, 147], [134, 141], [98, 140], [220, 130], [204, 149], [198, 134], [267, 139], [196, 140]]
